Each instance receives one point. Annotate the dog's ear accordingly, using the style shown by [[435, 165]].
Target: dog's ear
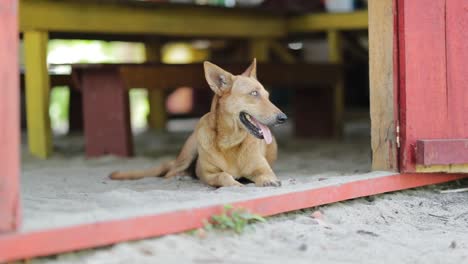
[[251, 70], [218, 79]]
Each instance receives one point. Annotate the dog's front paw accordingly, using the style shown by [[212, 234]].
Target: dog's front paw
[[268, 182], [274, 183]]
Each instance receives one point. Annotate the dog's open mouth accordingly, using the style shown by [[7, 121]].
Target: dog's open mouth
[[256, 128]]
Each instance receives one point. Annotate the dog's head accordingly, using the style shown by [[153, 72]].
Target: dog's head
[[244, 98]]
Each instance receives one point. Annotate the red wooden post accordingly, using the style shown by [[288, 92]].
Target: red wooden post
[[106, 113], [9, 117]]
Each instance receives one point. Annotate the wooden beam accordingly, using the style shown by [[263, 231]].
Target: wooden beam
[[382, 85], [37, 93], [328, 21], [9, 118], [146, 18], [163, 76], [42, 243], [441, 152]]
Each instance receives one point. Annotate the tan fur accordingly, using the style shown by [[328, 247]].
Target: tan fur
[[221, 146]]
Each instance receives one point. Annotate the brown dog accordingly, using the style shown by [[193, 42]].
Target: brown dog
[[232, 140]]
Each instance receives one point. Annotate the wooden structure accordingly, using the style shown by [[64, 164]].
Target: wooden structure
[[42, 19], [409, 85], [106, 103]]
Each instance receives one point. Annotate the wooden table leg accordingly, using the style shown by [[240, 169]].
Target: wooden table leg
[[37, 93], [106, 113], [314, 113], [335, 55], [75, 110], [10, 217], [157, 117]]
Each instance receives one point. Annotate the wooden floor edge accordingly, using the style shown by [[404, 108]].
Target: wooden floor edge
[[16, 246]]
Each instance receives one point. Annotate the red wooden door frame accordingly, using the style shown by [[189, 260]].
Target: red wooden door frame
[[9, 117], [17, 245]]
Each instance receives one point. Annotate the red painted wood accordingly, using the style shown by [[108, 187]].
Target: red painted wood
[[106, 113], [423, 93], [9, 117], [457, 67], [26, 245], [442, 152]]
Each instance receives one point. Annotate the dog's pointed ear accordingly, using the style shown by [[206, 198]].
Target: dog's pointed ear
[[218, 79], [251, 70]]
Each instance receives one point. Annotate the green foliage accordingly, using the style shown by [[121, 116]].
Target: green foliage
[[236, 219], [58, 109]]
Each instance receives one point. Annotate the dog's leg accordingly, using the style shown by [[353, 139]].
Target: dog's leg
[[187, 155], [264, 176], [220, 179]]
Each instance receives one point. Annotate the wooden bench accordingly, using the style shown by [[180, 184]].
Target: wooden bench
[[105, 88]]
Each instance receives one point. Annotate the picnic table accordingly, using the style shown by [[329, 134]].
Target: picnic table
[[41, 20]]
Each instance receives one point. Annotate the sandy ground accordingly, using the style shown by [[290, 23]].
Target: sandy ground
[[416, 226], [69, 189]]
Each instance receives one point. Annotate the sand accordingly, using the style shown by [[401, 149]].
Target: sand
[[415, 226], [69, 189]]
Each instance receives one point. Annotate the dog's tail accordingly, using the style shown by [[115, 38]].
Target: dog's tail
[[168, 169], [135, 175]]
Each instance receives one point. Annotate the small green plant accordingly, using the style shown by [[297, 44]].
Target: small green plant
[[231, 218]]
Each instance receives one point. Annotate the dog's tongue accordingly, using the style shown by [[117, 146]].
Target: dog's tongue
[[266, 132]]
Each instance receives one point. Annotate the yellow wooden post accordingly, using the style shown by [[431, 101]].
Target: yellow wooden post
[[282, 52], [335, 55], [157, 116], [37, 93], [259, 48]]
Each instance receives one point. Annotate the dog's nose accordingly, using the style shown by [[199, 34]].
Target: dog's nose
[[281, 118]]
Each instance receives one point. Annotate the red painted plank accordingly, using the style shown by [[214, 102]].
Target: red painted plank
[[442, 152], [27, 245], [9, 117], [106, 113], [423, 96], [457, 68]]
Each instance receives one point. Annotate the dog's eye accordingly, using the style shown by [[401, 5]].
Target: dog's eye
[[254, 93]]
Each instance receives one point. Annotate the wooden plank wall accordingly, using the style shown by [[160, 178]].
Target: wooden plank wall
[[433, 97], [423, 99]]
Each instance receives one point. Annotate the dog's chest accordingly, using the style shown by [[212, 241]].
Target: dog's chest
[[241, 160]]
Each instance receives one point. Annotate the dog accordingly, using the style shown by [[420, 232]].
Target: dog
[[230, 142]]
